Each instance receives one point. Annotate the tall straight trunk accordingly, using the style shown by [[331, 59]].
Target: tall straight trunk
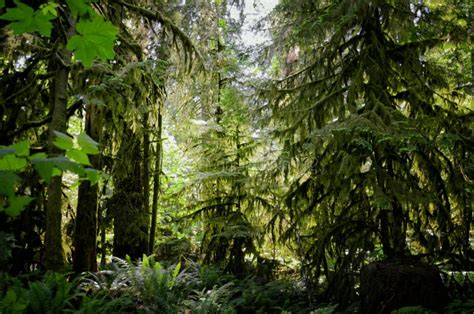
[[85, 234], [102, 231], [131, 222], [146, 169], [398, 232], [383, 216], [156, 184], [53, 253], [163, 53]]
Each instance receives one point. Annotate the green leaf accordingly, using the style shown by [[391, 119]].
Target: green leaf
[[25, 20], [79, 7], [13, 303], [21, 12], [65, 164], [22, 148], [56, 172], [12, 163], [63, 141], [17, 204], [2, 3], [51, 167], [10, 297], [96, 39], [8, 182], [7, 151], [145, 261], [92, 175], [87, 144], [175, 274], [44, 168], [78, 156], [158, 271], [49, 8], [38, 156]]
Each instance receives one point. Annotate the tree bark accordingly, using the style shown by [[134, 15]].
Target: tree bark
[[85, 234], [156, 184], [53, 254], [130, 220], [146, 170]]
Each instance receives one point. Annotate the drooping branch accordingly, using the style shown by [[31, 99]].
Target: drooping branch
[[157, 16]]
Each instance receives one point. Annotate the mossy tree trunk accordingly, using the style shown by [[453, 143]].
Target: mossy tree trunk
[[85, 234], [130, 219], [156, 183], [53, 254]]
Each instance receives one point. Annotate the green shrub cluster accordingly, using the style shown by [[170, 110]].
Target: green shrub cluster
[[56, 293], [152, 287]]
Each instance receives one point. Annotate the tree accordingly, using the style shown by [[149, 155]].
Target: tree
[[225, 198], [53, 53], [54, 256], [133, 89], [85, 235], [372, 130], [85, 83]]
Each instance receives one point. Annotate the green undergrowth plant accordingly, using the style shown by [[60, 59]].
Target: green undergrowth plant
[[412, 310], [458, 306], [149, 286], [216, 300], [208, 289], [173, 288], [326, 309], [271, 297], [150, 283], [55, 293]]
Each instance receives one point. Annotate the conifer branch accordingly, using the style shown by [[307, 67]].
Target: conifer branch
[[167, 23]]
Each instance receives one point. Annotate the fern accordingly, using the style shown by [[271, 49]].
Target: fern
[[150, 283]]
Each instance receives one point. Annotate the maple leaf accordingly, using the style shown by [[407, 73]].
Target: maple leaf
[[95, 38]]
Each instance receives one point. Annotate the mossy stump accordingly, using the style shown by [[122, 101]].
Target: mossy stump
[[390, 285]]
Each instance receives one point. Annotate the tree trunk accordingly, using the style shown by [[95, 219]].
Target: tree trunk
[[130, 220], [85, 234], [53, 254], [398, 232], [146, 170], [156, 186]]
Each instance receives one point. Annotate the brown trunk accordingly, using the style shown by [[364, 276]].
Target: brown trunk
[[103, 231], [398, 233], [146, 170], [130, 219], [53, 253], [156, 185], [85, 235], [84, 255]]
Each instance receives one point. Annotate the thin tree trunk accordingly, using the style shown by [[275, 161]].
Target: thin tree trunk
[[85, 234], [54, 255], [146, 168], [103, 249], [156, 184]]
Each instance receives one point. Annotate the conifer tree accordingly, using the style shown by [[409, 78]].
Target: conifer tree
[[225, 199], [375, 136]]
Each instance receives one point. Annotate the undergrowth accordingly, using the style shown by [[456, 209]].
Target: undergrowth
[[152, 287]]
